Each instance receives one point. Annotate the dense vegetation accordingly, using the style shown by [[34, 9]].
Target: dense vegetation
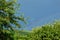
[[8, 19], [9, 23], [46, 32]]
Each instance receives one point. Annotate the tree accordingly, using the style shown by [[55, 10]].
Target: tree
[[46, 32], [8, 17]]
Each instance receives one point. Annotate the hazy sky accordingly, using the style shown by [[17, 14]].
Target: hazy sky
[[40, 11]]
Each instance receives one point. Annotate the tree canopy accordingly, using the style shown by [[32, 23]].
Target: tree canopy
[[8, 19], [7, 14], [46, 32]]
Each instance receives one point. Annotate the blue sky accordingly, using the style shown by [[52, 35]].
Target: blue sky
[[40, 11]]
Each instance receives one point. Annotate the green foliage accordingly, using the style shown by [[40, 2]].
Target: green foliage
[[46, 32], [6, 35], [7, 14], [9, 22], [8, 19]]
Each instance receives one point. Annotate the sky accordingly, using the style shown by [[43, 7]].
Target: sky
[[40, 12]]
